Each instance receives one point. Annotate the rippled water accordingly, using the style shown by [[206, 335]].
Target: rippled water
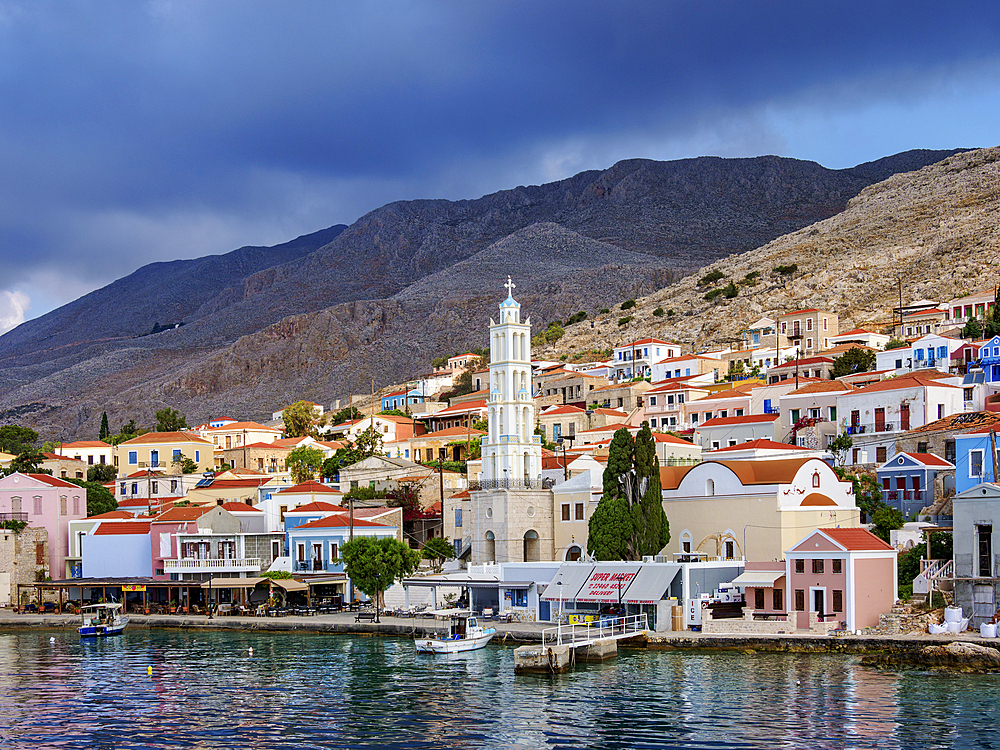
[[321, 691]]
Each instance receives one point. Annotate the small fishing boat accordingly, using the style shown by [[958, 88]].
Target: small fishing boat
[[464, 634], [102, 619]]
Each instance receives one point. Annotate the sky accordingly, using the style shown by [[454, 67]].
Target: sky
[[134, 132]]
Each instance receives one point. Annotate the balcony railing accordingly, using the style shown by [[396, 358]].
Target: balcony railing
[[304, 566], [907, 496], [861, 429], [506, 484], [13, 517], [212, 564]]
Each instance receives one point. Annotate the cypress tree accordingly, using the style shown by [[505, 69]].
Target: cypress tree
[[611, 528], [651, 530], [105, 430]]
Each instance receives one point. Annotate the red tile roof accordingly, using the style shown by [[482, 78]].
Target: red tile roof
[[85, 444], [901, 383], [856, 539], [760, 443], [53, 481], [338, 520], [450, 432], [233, 506], [316, 506], [186, 513], [111, 514], [122, 527], [929, 459], [312, 487], [567, 409], [242, 426], [822, 386]]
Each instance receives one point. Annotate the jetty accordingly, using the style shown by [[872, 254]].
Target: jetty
[[564, 645]]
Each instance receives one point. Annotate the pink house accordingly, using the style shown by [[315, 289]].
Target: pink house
[[45, 501], [843, 575]]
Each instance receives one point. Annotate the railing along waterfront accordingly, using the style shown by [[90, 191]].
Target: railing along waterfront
[[606, 626]]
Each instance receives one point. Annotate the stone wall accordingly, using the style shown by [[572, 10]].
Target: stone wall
[[510, 514], [18, 560], [748, 625]]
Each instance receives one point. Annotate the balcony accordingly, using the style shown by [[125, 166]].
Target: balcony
[[212, 565], [863, 429], [14, 517], [307, 566], [892, 497]]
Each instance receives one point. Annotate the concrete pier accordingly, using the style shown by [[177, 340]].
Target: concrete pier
[[539, 659], [598, 650]]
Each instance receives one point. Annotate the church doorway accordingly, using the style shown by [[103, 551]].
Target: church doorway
[[531, 546]]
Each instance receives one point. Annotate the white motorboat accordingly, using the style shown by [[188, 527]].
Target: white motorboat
[[464, 634], [102, 619]]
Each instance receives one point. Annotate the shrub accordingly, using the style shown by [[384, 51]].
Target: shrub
[[628, 304], [750, 279], [625, 321], [671, 313], [579, 317], [709, 296], [658, 312], [710, 278], [604, 311], [729, 290], [895, 344], [785, 270]]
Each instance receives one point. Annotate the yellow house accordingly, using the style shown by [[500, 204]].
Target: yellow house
[[158, 450]]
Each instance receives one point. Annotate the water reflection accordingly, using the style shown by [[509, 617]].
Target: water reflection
[[193, 690]]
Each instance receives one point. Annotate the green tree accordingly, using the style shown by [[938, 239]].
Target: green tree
[[185, 464], [895, 344], [105, 430], [15, 439], [909, 561], [28, 461], [348, 414], [170, 420], [886, 519], [393, 413], [651, 530], [305, 462], [839, 447], [99, 498], [853, 360], [867, 490], [437, 549], [406, 496], [972, 330], [300, 419], [373, 565], [611, 527], [101, 473]]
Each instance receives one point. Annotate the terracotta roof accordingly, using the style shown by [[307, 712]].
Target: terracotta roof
[[822, 386], [461, 495], [57, 457], [317, 505], [186, 513], [662, 437], [53, 481], [312, 487], [338, 520], [745, 419], [331, 444], [145, 473], [816, 499], [610, 412], [929, 459], [734, 392], [671, 476], [647, 341], [235, 507], [111, 514], [856, 539], [798, 312], [901, 383], [852, 333], [166, 437], [235, 484], [122, 527], [567, 409], [686, 357], [460, 408], [760, 443], [86, 444]]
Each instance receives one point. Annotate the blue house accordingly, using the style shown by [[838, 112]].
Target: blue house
[[973, 459], [315, 546], [989, 359], [907, 480], [401, 399]]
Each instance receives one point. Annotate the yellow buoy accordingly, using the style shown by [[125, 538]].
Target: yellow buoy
[[149, 671]]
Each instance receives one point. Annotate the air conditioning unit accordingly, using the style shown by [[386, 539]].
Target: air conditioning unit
[[647, 558]]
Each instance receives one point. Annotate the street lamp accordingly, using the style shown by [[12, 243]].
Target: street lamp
[[559, 583]]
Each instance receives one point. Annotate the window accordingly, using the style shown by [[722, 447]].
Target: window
[[156, 487], [652, 422], [133, 458], [814, 413], [176, 454], [809, 324], [686, 546], [778, 597], [121, 489], [817, 566], [197, 457], [984, 536], [732, 442], [458, 518], [739, 412], [275, 549], [154, 458], [800, 566], [940, 411], [880, 456], [975, 463], [135, 488], [579, 512], [815, 479], [838, 601], [809, 343], [565, 511], [652, 400], [715, 447], [173, 484], [838, 566], [37, 506], [800, 600], [334, 552], [39, 553], [949, 450], [76, 506], [795, 416], [758, 599], [710, 484], [967, 394], [921, 447]]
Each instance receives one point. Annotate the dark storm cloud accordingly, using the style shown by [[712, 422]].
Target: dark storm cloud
[[136, 132]]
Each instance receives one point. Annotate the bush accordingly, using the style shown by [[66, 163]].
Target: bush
[[750, 279], [729, 290], [625, 321], [710, 278], [712, 294], [895, 344], [785, 270], [671, 313], [628, 304], [604, 311], [578, 318], [658, 312]]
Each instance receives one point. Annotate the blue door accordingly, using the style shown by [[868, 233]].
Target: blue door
[[544, 611]]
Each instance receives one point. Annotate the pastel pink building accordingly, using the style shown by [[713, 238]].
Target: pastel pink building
[[48, 502], [844, 575]]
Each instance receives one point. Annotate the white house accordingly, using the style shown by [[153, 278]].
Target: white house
[[636, 358], [929, 352]]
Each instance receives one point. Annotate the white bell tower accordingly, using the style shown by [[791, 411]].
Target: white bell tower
[[512, 453]]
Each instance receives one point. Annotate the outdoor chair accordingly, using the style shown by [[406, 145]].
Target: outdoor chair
[[488, 613]]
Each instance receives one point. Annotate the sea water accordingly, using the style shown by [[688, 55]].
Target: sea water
[[183, 689]]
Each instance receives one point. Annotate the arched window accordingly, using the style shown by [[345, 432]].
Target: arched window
[[815, 479], [531, 546], [490, 550], [573, 553], [709, 487]]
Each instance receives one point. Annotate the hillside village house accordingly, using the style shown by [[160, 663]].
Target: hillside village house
[[938, 437], [158, 450], [720, 432], [566, 421], [919, 322], [451, 444], [401, 399], [976, 535], [238, 434], [315, 546], [573, 503], [622, 396], [929, 352], [809, 330], [573, 388], [975, 457], [862, 337], [989, 360], [755, 509], [461, 414], [155, 483], [876, 415], [636, 359], [390, 427], [811, 412], [908, 480], [64, 467], [317, 410], [232, 489], [46, 502], [686, 366], [976, 305], [664, 405], [90, 452], [808, 367], [21, 557]]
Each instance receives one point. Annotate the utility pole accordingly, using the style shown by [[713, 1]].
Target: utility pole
[[441, 484], [993, 451]]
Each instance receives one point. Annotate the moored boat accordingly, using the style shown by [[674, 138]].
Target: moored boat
[[102, 619], [464, 634]]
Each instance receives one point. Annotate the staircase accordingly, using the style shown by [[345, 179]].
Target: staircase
[[934, 574]]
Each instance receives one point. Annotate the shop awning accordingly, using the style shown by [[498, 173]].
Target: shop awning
[[651, 584], [567, 582], [289, 584], [232, 583], [608, 583], [759, 578]]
